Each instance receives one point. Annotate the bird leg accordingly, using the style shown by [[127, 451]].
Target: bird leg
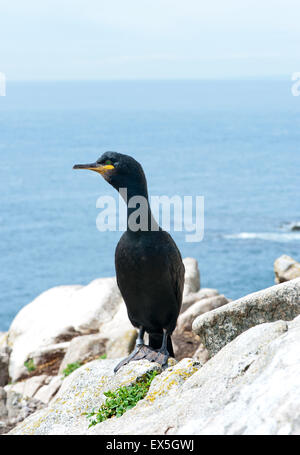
[[163, 353], [163, 348], [141, 351], [138, 353], [140, 338]]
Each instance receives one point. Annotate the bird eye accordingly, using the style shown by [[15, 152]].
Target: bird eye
[[108, 162]]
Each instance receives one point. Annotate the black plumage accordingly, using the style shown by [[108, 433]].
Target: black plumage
[[149, 268]]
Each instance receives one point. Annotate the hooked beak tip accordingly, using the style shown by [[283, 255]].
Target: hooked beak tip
[[83, 166]]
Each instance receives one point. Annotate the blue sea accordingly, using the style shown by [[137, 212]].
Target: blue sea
[[237, 143]]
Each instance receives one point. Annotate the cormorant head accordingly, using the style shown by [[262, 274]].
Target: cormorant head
[[120, 171]]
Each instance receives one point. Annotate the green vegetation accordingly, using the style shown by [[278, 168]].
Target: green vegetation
[[122, 399], [29, 364], [103, 356], [70, 368]]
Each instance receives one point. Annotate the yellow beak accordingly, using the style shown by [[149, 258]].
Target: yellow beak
[[100, 168]]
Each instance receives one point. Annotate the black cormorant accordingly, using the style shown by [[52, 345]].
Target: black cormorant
[[149, 268]]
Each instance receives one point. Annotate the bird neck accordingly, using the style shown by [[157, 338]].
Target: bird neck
[[139, 215]]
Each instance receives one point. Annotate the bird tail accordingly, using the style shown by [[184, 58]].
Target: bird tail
[[155, 342]]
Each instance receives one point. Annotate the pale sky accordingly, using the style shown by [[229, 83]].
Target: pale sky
[[148, 39]]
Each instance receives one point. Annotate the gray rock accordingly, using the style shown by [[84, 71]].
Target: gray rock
[[116, 339], [215, 399], [83, 349], [5, 425], [83, 310], [220, 326], [47, 359], [201, 354], [13, 409], [19, 407], [286, 268], [185, 343], [192, 276], [171, 380], [80, 393], [27, 387], [249, 387], [42, 388], [121, 335], [4, 359], [3, 408], [46, 393], [186, 319], [193, 297], [58, 315]]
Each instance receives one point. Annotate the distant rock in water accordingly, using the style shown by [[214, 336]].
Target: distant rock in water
[[295, 227], [286, 268]]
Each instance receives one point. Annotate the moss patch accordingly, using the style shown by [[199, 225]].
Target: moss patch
[[122, 399], [70, 368], [29, 364]]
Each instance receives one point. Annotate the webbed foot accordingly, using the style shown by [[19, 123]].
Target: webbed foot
[[145, 352]]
